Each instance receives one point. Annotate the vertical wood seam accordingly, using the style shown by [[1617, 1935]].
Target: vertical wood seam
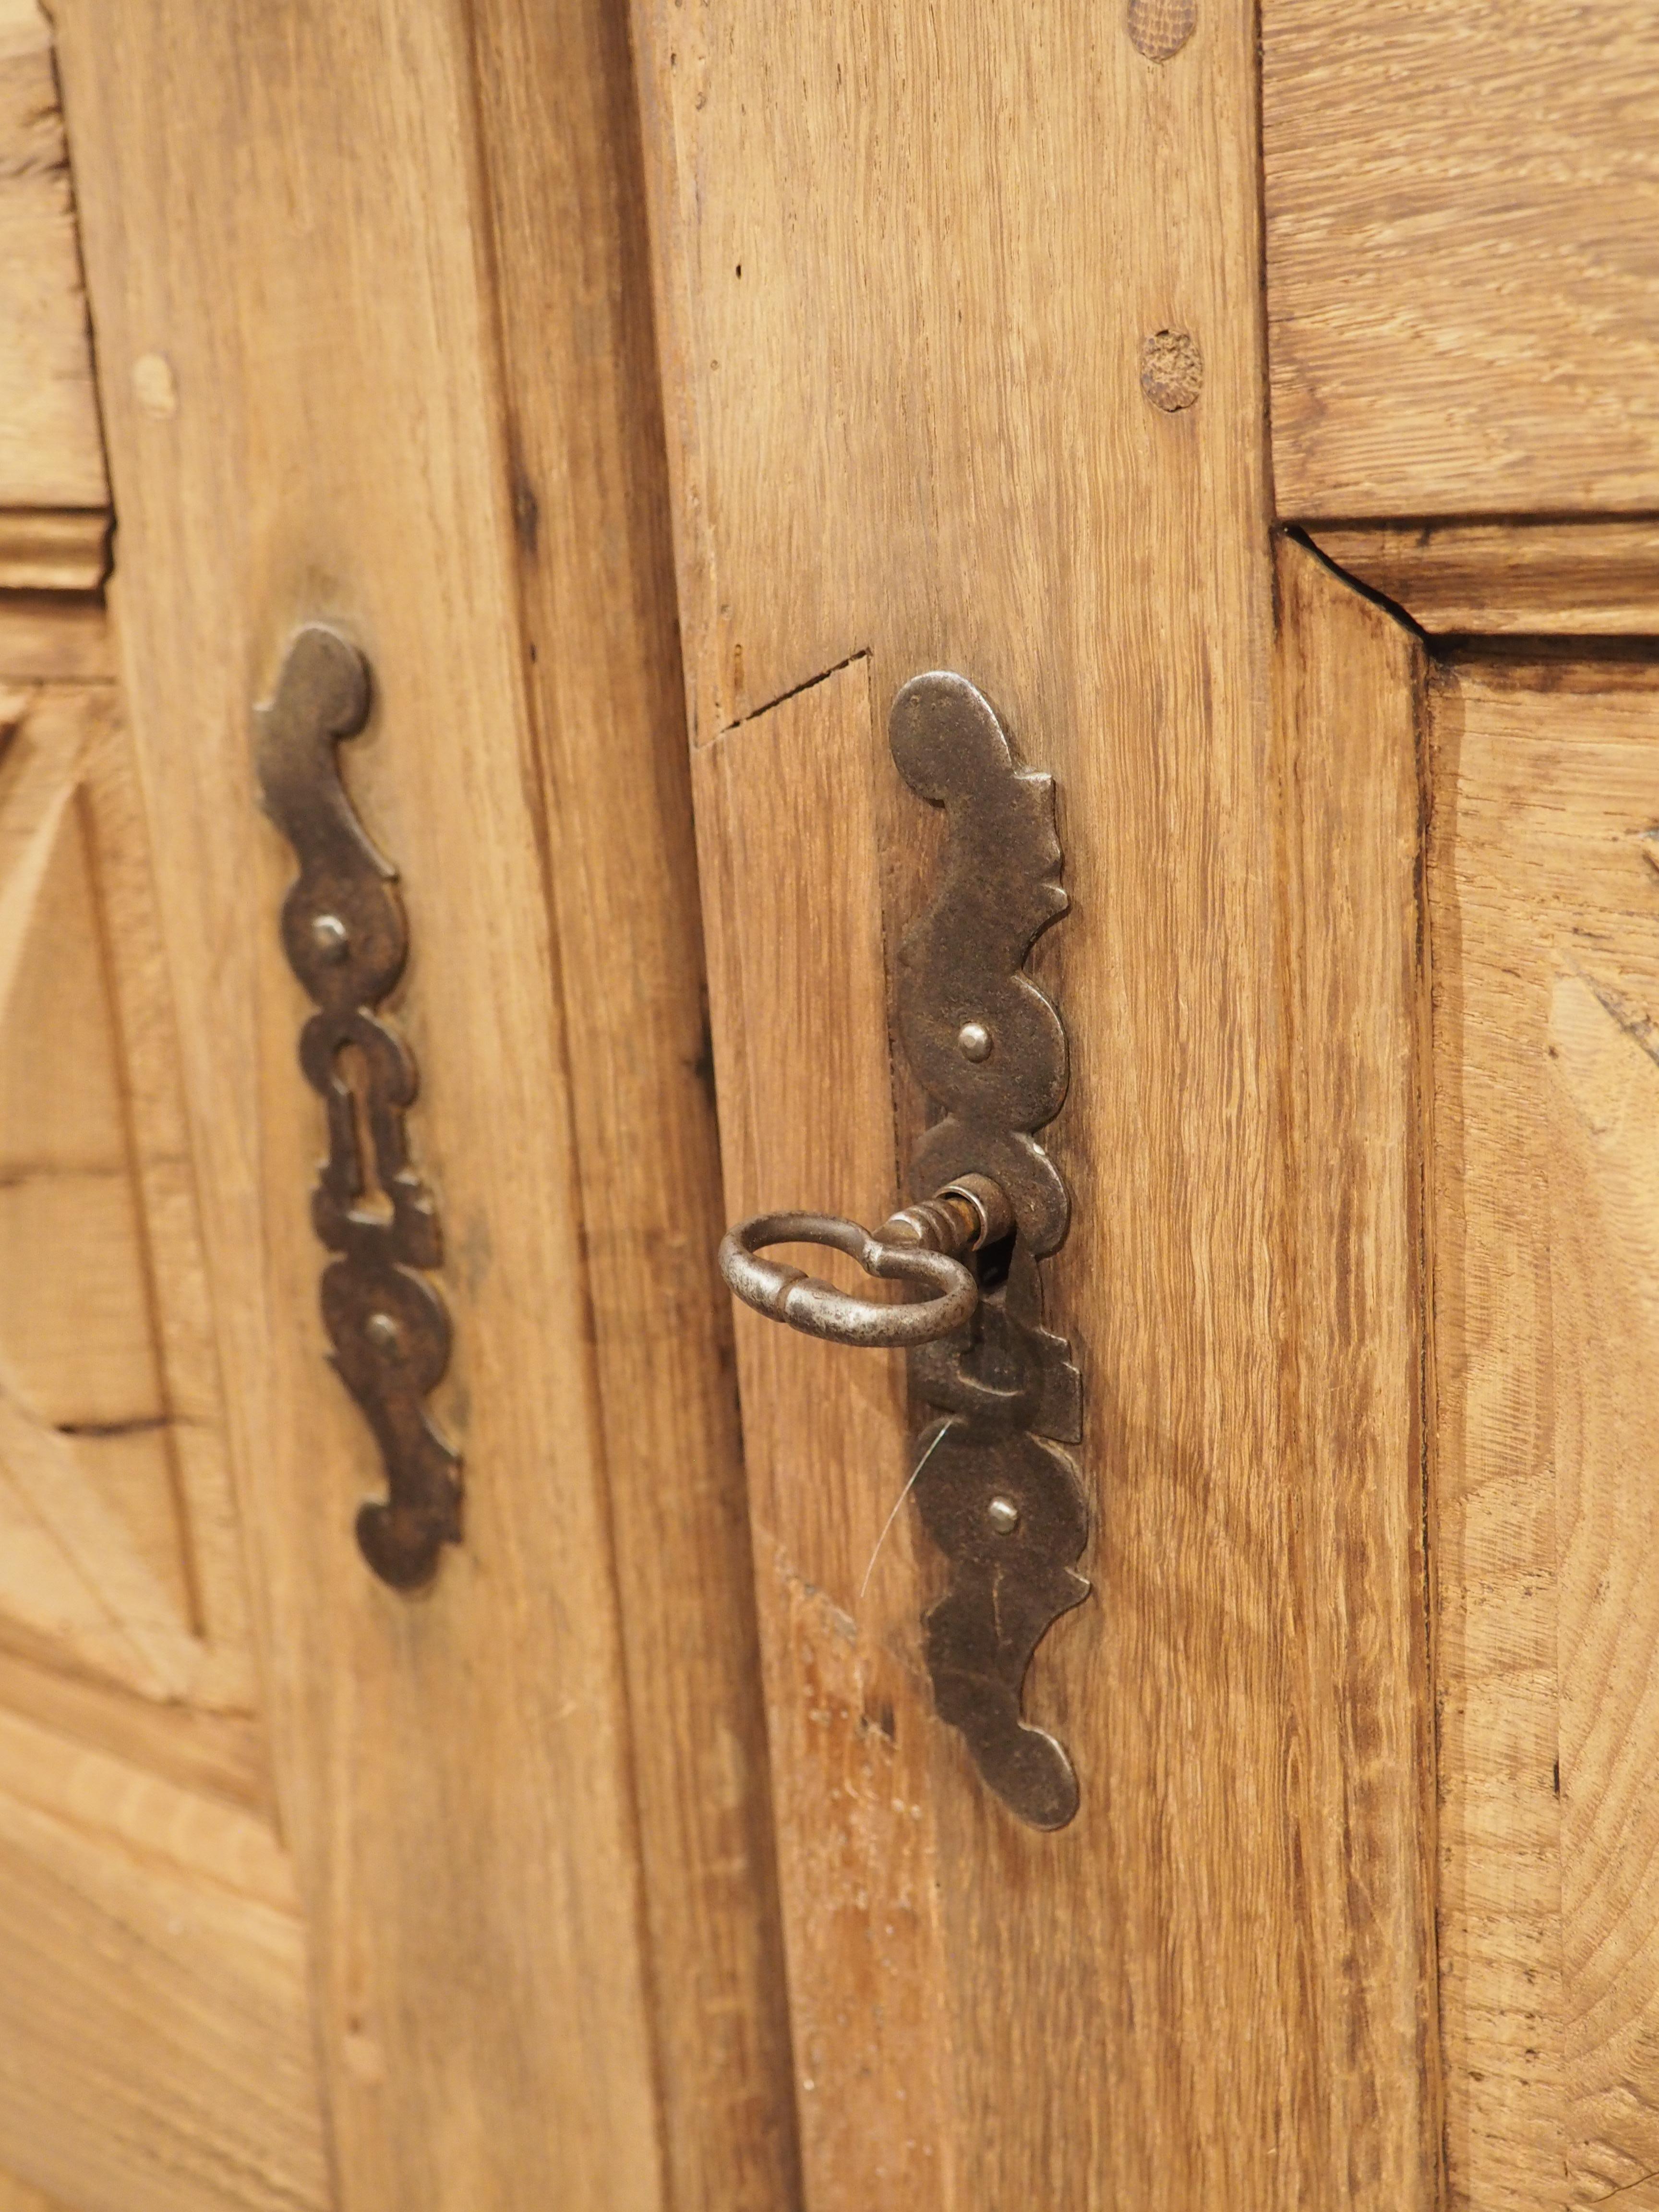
[[535, 783]]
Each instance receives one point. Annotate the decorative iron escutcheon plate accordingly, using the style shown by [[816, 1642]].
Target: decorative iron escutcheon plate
[[997, 1496], [346, 940]]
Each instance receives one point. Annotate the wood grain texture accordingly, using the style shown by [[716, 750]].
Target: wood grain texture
[[122, 1547], [54, 636], [51, 451], [1349, 687], [1591, 579], [905, 274], [148, 1813], [1544, 920], [155, 2045], [560, 131], [214, 1754], [17, 2196], [78, 1342], [284, 209], [1463, 210], [799, 1001]]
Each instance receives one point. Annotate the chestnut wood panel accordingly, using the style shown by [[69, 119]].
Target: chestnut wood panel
[[1463, 239], [1544, 919]]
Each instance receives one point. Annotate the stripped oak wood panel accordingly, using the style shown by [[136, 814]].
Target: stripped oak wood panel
[[62, 710], [560, 131], [787, 800], [1463, 243], [51, 452], [1545, 942], [1349, 690], [224, 1755], [909, 281], [122, 1552], [284, 234], [1589, 579], [156, 2052]]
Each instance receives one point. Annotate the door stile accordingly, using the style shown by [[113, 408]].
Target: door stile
[[562, 168], [1350, 682]]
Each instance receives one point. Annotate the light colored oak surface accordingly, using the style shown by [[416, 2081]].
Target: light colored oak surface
[[284, 210], [221, 1754], [787, 805], [51, 453], [1463, 235], [155, 2044], [1545, 944], [1521, 578], [560, 132], [1349, 684], [908, 275], [18, 2197], [121, 1550]]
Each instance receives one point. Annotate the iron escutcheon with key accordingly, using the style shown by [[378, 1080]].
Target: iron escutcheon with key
[[995, 1491]]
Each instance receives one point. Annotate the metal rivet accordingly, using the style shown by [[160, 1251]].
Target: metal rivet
[[330, 937], [383, 1333], [974, 1040], [1003, 1515]]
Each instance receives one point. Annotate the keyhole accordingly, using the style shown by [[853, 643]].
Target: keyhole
[[372, 1201]]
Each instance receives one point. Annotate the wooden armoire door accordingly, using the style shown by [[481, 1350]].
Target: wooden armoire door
[[1247, 419], [1325, 591], [318, 1891]]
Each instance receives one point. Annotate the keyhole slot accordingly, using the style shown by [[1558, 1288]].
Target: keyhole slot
[[370, 1201], [992, 1262]]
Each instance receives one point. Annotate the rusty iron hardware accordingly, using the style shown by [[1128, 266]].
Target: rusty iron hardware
[[996, 1493], [919, 1243], [347, 940]]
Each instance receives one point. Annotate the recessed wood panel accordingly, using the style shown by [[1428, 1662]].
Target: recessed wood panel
[[1545, 1517], [51, 451], [156, 2045], [121, 1552]]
